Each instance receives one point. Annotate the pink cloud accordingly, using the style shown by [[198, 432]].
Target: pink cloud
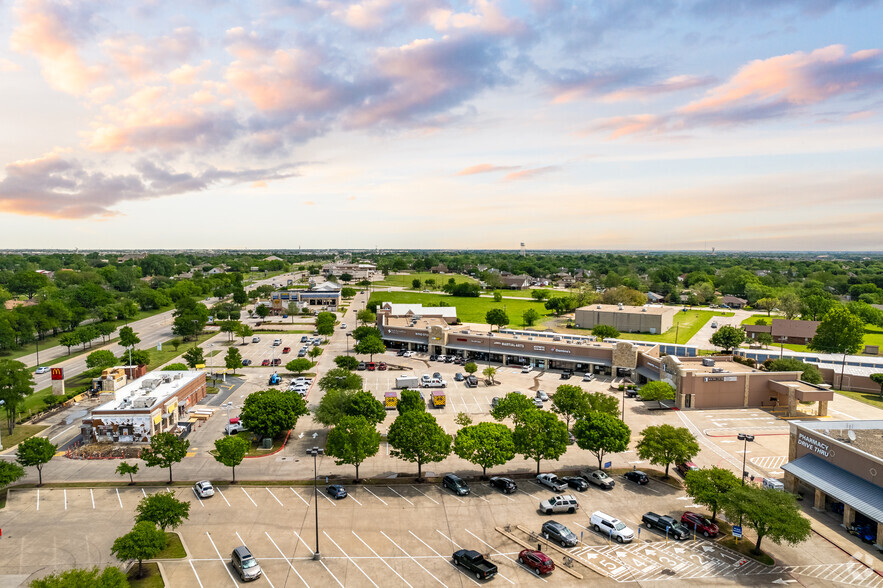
[[483, 168], [621, 126], [672, 84], [531, 173], [7, 66], [142, 58]]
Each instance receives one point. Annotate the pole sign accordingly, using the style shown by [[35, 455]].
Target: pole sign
[[57, 373], [737, 531]]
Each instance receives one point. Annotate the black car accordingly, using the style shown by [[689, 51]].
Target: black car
[[555, 531], [436, 376], [575, 482], [401, 352], [304, 339], [565, 376], [433, 357], [631, 393], [336, 491], [458, 377], [638, 477], [504, 485], [246, 362], [449, 359]]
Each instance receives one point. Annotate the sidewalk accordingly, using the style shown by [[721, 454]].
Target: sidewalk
[[827, 527]]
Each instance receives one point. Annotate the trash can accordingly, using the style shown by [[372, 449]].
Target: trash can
[[267, 443]]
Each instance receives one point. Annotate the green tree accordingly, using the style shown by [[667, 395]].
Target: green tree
[[470, 368], [366, 317], [530, 317], [9, 473], [16, 383], [411, 400], [515, 406], [815, 306], [353, 440], [37, 452], [496, 316], [190, 317], [229, 327], [175, 343], [489, 372], [162, 509], [144, 541], [347, 362], [764, 339], [540, 435], [364, 331], [340, 379], [137, 357], [767, 304], [243, 331], [463, 420], [68, 340], [240, 296], [194, 356], [262, 310], [770, 513], [600, 402], [363, 404], [789, 304], [270, 413], [665, 445], [710, 487], [101, 359], [331, 407], [728, 338], [109, 577], [570, 402], [176, 367], [878, 379], [370, 346], [416, 284], [485, 445], [325, 323], [299, 365], [498, 296], [540, 295], [233, 359], [346, 277], [165, 451], [347, 292], [314, 352], [839, 332], [809, 372], [126, 469], [658, 391], [230, 451], [605, 332], [601, 433], [128, 337], [415, 436]]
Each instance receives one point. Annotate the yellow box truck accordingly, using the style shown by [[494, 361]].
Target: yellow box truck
[[438, 399], [390, 400]]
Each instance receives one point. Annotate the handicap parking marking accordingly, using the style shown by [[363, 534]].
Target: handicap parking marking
[[351, 560], [409, 556], [288, 561], [382, 560], [221, 559], [449, 562]]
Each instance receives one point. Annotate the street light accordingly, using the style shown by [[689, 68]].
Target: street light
[[746, 439], [315, 452], [2, 402], [348, 335]]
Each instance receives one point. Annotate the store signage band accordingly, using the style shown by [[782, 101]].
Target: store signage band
[[813, 444]]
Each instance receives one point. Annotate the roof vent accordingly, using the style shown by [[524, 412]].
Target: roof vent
[[644, 309], [599, 307], [620, 306]]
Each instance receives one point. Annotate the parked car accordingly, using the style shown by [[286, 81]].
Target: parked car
[[504, 485], [565, 376], [637, 476], [408, 354], [536, 561], [555, 531], [304, 339], [204, 489], [495, 401], [458, 377], [382, 366], [246, 362], [542, 396], [598, 478], [455, 484], [570, 438], [666, 524], [336, 491], [611, 527], [233, 428], [685, 467], [449, 359], [361, 366], [631, 393], [525, 369], [342, 325], [551, 481], [255, 339], [700, 524], [286, 350], [436, 376], [576, 483], [400, 352], [276, 362], [372, 366], [245, 564], [433, 357], [471, 381], [302, 353], [588, 377], [562, 503], [538, 403], [475, 563], [277, 342], [42, 370], [265, 363]]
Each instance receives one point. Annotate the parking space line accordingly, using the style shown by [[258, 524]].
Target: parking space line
[[264, 574], [143, 492], [375, 496], [198, 581], [397, 494], [494, 550], [222, 496], [92, 495], [414, 560], [302, 541], [118, 498], [288, 561], [354, 498], [198, 498], [65, 499], [424, 494], [38, 499], [383, 560], [299, 496], [332, 575], [274, 497], [450, 563], [322, 494], [249, 497], [221, 559], [358, 567], [506, 496]]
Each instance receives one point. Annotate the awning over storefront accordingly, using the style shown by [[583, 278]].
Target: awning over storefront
[[863, 496], [648, 373]]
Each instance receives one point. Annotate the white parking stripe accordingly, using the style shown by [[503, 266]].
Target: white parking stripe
[[299, 496], [92, 495], [249, 497], [358, 567], [274, 497], [222, 496], [375, 496], [299, 538], [264, 574], [118, 498], [405, 499], [412, 559], [354, 498], [382, 560], [322, 494], [332, 575], [493, 550], [288, 561], [424, 494], [198, 581], [143, 492], [65, 500], [450, 563], [221, 559], [38, 499], [198, 498]]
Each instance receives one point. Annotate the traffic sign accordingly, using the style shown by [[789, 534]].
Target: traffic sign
[[737, 531], [607, 464]]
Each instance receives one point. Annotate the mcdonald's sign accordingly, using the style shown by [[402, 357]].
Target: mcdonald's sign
[[57, 373]]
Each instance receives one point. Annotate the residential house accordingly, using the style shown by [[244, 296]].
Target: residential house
[[785, 331], [439, 269], [520, 282], [734, 301]]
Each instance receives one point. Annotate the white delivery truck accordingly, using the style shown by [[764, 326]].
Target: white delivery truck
[[403, 382]]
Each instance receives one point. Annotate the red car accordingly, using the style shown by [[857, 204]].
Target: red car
[[685, 467], [381, 366], [286, 350], [537, 561], [372, 366], [266, 362], [277, 361], [699, 523]]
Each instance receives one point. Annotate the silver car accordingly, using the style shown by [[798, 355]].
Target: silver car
[[552, 481], [562, 503], [204, 489]]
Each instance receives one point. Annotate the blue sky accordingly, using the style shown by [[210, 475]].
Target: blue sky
[[442, 124]]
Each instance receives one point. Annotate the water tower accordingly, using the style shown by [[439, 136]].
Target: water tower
[[522, 250]]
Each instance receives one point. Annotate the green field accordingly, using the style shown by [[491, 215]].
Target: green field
[[405, 280], [685, 325], [19, 433], [752, 320], [873, 336], [874, 399], [469, 310]]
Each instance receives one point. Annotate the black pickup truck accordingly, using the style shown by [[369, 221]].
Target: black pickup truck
[[475, 563], [666, 524]]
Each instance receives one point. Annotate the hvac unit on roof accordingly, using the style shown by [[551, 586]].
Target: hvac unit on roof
[[599, 307], [644, 309], [620, 306]]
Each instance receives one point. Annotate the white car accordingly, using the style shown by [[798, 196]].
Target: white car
[[588, 377], [542, 396], [525, 369], [204, 489], [42, 370], [552, 481], [408, 354], [342, 325]]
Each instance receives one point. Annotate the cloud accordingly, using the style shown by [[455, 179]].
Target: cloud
[[55, 187], [621, 126], [172, 130], [7, 66], [568, 85], [528, 174], [142, 58], [672, 84], [483, 168], [486, 16], [186, 74]]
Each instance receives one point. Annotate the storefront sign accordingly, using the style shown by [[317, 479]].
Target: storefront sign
[[557, 350], [813, 444], [539, 348], [504, 344], [721, 379]]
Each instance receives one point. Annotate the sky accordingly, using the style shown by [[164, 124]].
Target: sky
[[278, 124]]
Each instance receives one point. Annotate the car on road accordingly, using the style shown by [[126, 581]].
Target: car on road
[[536, 561], [713, 324], [233, 428], [637, 476], [685, 467], [576, 483], [204, 489], [555, 531], [504, 485], [611, 527], [458, 377], [525, 369], [245, 564], [541, 395], [455, 484], [598, 478], [265, 363], [336, 491], [246, 362], [286, 350], [563, 503], [700, 524], [475, 563], [42, 370], [551, 481], [666, 524]]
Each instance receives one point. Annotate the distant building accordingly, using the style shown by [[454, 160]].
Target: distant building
[[654, 298], [439, 269], [272, 258], [359, 271], [418, 311], [326, 295], [520, 282], [785, 331], [626, 319], [734, 301]]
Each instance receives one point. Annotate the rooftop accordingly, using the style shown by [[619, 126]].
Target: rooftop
[[868, 434], [647, 308], [725, 365], [422, 323], [149, 391]]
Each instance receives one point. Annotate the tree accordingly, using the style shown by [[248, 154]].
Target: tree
[[165, 451], [462, 419], [485, 445], [710, 487], [728, 337], [665, 445], [600, 402], [69, 340], [347, 362], [411, 400], [570, 402], [162, 509], [229, 327], [137, 357], [331, 407], [233, 359], [601, 434], [9, 473], [240, 296], [878, 379], [109, 577], [340, 379], [496, 316], [764, 339], [470, 367], [366, 317], [230, 451], [190, 317], [770, 513], [489, 372], [144, 541], [128, 469], [37, 452], [16, 383], [498, 296], [790, 304], [540, 435], [416, 284], [513, 405], [243, 331], [353, 440], [605, 332], [325, 323], [767, 304], [364, 331], [262, 310], [530, 317], [314, 352], [839, 332], [370, 346], [175, 343], [809, 372], [299, 365], [346, 277], [363, 404], [347, 292], [658, 391], [415, 436], [128, 337], [540, 295], [194, 356], [101, 359], [270, 413]]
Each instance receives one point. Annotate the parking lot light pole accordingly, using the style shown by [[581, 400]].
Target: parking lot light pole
[[2, 402], [348, 343], [746, 439], [315, 452]]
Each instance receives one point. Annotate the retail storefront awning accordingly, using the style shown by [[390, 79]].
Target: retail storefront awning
[[648, 373], [863, 496]]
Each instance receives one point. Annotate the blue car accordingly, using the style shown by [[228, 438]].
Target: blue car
[[336, 491]]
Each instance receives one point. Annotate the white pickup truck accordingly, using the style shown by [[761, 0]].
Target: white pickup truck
[[434, 383]]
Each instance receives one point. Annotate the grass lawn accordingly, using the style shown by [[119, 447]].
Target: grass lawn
[[151, 579], [168, 353], [872, 398], [174, 548], [256, 448], [19, 434], [469, 310], [405, 280], [746, 547], [685, 325], [752, 320]]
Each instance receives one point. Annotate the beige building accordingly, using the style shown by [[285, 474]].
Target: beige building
[[626, 319]]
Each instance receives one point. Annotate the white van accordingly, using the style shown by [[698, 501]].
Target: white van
[[773, 484], [611, 527]]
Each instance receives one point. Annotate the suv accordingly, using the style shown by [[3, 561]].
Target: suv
[[552, 481], [504, 485], [245, 564], [564, 503], [685, 467], [588, 377], [598, 478], [611, 526], [700, 524], [471, 381], [555, 531], [277, 342], [456, 484]]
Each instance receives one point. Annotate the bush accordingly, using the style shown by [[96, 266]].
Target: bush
[[745, 360]]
